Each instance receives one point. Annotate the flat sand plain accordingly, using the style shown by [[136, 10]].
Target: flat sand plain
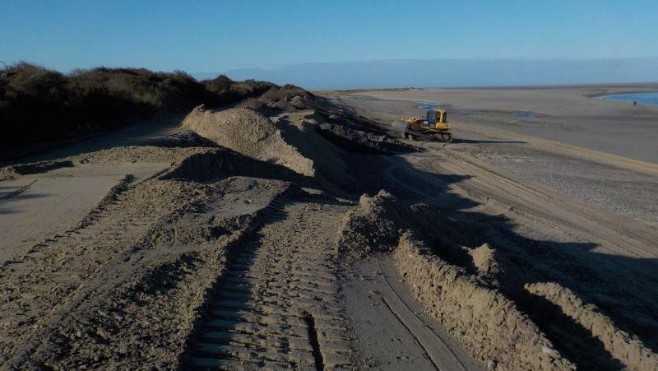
[[568, 115], [599, 151]]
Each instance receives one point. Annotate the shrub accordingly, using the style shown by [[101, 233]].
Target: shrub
[[37, 104], [226, 90]]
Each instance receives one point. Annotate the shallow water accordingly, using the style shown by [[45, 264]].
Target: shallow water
[[525, 115], [650, 98], [427, 105]]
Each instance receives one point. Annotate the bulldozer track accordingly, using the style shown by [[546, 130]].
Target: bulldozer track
[[277, 305], [437, 349], [72, 260]]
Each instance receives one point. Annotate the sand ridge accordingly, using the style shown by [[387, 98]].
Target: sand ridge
[[250, 133]]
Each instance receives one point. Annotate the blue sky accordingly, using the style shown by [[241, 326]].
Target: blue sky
[[232, 36]]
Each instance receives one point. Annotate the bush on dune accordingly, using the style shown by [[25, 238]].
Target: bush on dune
[[33, 97], [157, 90], [226, 90], [37, 104]]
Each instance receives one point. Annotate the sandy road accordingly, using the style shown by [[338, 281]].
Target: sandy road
[[390, 329], [50, 202], [283, 304], [43, 285]]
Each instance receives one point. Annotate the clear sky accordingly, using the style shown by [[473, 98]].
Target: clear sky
[[218, 36]]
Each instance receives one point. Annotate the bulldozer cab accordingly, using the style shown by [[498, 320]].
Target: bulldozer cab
[[435, 116]]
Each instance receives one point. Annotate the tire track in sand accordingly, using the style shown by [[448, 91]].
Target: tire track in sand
[[277, 306]]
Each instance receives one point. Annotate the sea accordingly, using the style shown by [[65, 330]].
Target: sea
[[650, 98]]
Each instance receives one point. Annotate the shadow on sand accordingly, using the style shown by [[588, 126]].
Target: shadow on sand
[[621, 287]]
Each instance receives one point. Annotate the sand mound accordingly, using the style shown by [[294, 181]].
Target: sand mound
[[484, 260], [249, 133], [298, 130], [14, 171], [621, 345], [214, 164], [373, 226], [482, 319], [376, 224], [282, 98], [359, 141], [458, 285]]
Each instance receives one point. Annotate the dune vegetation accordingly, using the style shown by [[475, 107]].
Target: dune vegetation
[[38, 104]]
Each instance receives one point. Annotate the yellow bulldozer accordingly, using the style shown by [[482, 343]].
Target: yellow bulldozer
[[434, 126]]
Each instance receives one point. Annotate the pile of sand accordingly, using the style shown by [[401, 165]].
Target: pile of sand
[[360, 141], [219, 163], [482, 319], [456, 284], [287, 98], [249, 133], [298, 130], [14, 171], [484, 260], [622, 346], [376, 224], [373, 226]]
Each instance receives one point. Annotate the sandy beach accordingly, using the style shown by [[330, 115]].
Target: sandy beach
[[566, 114]]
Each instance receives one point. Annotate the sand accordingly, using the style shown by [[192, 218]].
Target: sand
[[566, 115], [46, 206], [250, 133], [591, 149], [300, 235]]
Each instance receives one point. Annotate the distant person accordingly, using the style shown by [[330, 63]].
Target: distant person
[[634, 103]]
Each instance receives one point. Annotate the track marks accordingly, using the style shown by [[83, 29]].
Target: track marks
[[438, 351], [277, 305], [39, 286]]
